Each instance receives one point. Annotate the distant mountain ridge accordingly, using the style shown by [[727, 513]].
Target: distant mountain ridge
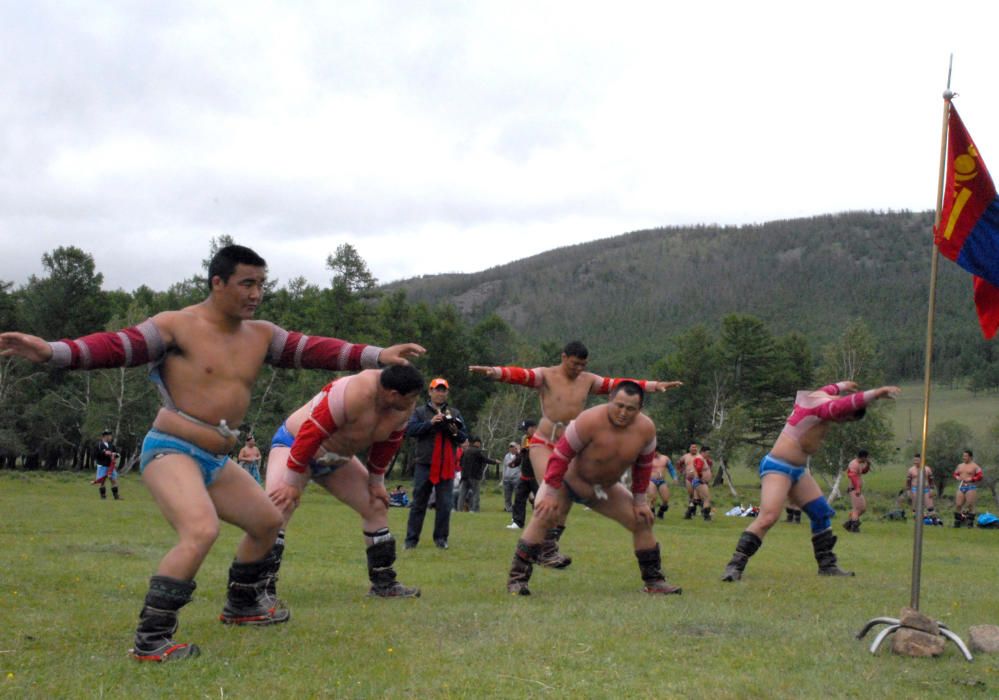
[[629, 295]]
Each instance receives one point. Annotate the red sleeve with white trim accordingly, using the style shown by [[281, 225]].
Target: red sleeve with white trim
[[381, 453], [603, 385], [292, 349], [317, 427], [568, 446], [519, 375], [642, 470], [130, 347]]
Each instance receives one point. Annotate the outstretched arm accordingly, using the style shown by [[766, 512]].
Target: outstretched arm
[[603, 385], [511, 375], [137, 345]]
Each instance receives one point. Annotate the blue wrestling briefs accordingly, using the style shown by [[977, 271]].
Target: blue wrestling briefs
[[157, 444], [964, 488], [772, 465], [283, 438]]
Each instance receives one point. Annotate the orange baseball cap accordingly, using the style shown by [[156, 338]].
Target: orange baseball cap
[[439, 381]]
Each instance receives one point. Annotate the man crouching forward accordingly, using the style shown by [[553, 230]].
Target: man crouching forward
[[586, 467]]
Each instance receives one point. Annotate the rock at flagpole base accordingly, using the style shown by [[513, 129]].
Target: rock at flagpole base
[[913, 642], [918, 621]]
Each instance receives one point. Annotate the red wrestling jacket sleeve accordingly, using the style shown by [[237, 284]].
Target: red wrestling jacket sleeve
[[642, 470], [292, 349], [603, 385], [317, 427], [125, 348], [566, 449], [519, 375], [381, 453]]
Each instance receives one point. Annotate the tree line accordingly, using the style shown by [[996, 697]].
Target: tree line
[[740, 377]]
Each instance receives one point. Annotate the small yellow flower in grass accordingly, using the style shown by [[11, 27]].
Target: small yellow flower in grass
[[10, 675], [390, 650]]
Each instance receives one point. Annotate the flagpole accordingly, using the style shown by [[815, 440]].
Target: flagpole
[[894, 624], [917, 545]]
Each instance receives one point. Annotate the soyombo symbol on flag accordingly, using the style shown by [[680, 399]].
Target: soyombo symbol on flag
[[969, 222]]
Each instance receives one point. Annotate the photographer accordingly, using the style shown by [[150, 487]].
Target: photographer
[[438, 429]]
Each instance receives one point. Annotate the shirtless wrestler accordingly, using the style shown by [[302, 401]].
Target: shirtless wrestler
[[362, 412], [205, 360], [563, 389], [967, 474], [662, 468], [783, 472], [586, 467], [855, 470], [912, 488]]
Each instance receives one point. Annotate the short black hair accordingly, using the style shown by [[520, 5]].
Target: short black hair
[[402, 378], [575, 348], [631, 389], [106, 432], [862, 454], [970, 453], [705, 448], [527, 423], [224, 262]]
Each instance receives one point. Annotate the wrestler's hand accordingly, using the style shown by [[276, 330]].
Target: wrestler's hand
[[666, 386], [643, 514], [887, 392], [377, 492], [30, 347], [400, 354], [546, 507], [484, 371], [286, 497]]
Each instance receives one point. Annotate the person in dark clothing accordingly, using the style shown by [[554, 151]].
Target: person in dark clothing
[[438, 429], [473, 469], [106, 458], [528, 485]]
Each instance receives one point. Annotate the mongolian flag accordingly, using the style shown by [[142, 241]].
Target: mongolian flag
[[969, 223]]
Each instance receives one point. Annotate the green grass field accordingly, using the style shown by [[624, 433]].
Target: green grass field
[[74, 571]]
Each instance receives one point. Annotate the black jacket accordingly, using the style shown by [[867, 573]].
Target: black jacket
[[420, 428]]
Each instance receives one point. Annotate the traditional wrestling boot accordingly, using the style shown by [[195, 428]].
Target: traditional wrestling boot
[[746, 547], [849, 525], [662, 510], [790, 515], [521, 567], [706, 512], [550, 555], [381, 557], [691, 509], [969, 519], [958, 519], [104, 493], [856, 526], [650, 563], [114, 492], [158, 621], [248, 601], [823, 544], [797, 517], [275, 558]]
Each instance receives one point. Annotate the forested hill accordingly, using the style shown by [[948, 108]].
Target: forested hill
[[629, 295]]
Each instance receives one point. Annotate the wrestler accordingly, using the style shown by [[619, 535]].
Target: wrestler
[[106, 458], [783, 472], [912, 487], [563, 389], [205, 360], [658, 488], [968, 474], [692, 464], [702, 483], [586, 467], [249, 458], [362, 412], [855, 470]]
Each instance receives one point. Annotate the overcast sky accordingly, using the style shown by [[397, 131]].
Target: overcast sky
[[454, 136]]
